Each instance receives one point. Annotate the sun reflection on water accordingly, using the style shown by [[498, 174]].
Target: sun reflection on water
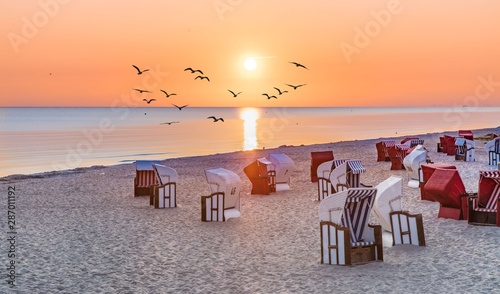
[[249, 117]]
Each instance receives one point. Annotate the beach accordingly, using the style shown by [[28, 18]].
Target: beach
[[83, 231]]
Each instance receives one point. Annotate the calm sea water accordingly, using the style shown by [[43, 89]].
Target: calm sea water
[[36, 140]]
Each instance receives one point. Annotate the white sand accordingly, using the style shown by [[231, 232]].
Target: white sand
[[84, 232]]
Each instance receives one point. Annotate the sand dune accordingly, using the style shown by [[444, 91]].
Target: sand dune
[[84, 232]]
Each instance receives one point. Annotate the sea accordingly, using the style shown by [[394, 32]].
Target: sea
[[42, 139]]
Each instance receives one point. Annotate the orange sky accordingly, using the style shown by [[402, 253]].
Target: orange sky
[[360, 53]]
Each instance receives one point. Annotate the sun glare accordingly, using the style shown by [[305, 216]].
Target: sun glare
[[250, 64], [249, 117]]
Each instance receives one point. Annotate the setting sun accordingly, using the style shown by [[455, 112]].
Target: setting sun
[[250, 64]]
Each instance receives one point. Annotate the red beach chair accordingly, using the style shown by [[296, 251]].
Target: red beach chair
[[396, 159], [447, 188], [449, 148], [318, 158], [467, 134], [261, 176], [426, 171], [483, 209]]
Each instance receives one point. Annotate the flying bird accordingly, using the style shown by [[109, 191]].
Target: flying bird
[[298, 64], [169, 123], [295, 87], [193, 70], [269, 97], [180, 107], [149, 101], [279, 91], [234, 94], [141, 91], [166, 94], [216, 119], [202, 77], [139, 72]]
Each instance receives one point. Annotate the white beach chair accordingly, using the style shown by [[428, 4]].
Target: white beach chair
[[346, 174], [388, 212], [493, 149], [224, 201], [284, 167], [412, 163], [465, 149], [165, 194], [346, 236]]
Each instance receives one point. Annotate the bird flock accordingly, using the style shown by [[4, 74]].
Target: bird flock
[[201, 76]]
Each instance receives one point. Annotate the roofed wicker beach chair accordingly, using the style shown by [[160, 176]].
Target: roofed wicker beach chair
[[165, 193], [483, 207], [467, 134], [346, 174], [145, 177], [224, 201], [262, 175], [346, 236], [449, 147], [447, 188], [493, 149], [412, 163], [284, 168], [317, 158], [382, 146], [388, 210], [426, 171], [465, 149], [396, 158]]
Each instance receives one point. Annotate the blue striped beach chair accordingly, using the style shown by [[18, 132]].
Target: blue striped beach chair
[[346, 236]]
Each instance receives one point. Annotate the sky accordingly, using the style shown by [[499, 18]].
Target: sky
[[357, 53]]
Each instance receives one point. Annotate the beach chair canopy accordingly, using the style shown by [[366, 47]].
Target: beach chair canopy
[[489, 188], [414, 160], [388, 199], [467, 134], [324, 169], [465, 142], [493, 145], [165, 174]]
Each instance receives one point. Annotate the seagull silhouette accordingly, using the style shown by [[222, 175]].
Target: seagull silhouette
[[216, 119], [295, 87], [298, 64], [141, 91], [169, 123], [193, 70], [149, 101], [180, 107], [269, 97], [166, 94], [234, 95], [139, 72], [279, 91], [201, 78]]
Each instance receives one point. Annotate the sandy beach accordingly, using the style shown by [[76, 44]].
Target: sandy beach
[[83, 231]]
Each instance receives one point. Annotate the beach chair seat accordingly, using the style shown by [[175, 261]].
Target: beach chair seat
[[284, 167], [426, 171], [145, 177], [412, 163], [493, 149], [464, 149], [318, 158], [346, 236], [483, 207], [447, 188], [165, 193], [262, 175], [224, 201], [388, 211]]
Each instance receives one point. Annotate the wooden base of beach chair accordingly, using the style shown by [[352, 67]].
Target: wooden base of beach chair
[[449, 212], [212, 208], [336, 247], [482, 217], [260, 186], [165, 196], [407, 228]]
